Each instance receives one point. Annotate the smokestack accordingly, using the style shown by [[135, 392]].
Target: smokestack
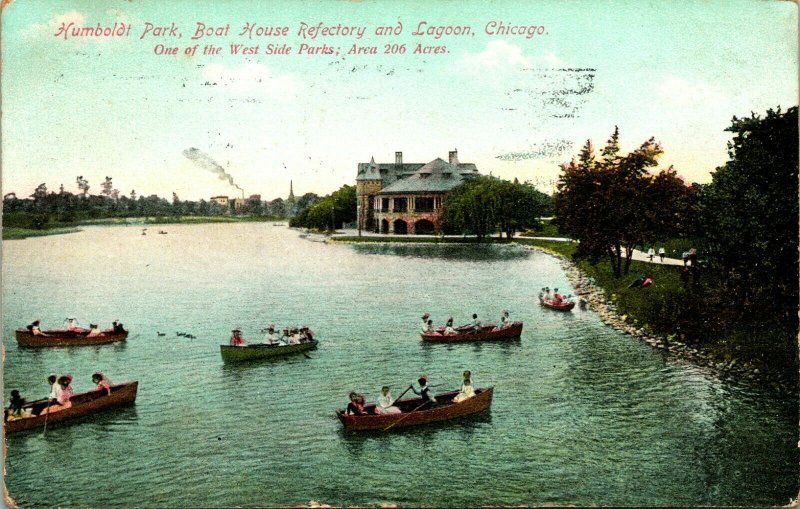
[[398, 158], [453, 156]]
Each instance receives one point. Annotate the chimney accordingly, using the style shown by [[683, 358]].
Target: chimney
[[398, 158], [453, 156]]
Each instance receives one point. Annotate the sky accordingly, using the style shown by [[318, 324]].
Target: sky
[[514, 105]]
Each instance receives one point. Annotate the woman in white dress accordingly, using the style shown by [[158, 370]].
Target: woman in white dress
[[386, 403], [467, 391]]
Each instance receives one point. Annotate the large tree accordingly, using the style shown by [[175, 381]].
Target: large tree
[[750, 215], [615, 202], [484, 205]]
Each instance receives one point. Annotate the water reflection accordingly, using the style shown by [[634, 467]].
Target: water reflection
[[446, 251]]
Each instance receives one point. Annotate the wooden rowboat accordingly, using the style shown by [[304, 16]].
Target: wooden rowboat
[[566, 305], [82, 404], [445, 410], [487, 333], [67, 338], [260, 351]]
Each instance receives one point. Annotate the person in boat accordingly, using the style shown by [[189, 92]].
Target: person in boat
[[356, 405], [55, 389], [94, 331], [102, 383], [72, 325], [541, 295], [476, 324], [34, 329], [467, 391], [557, 297], [237, 339], [386, 403], [504, 321], [429, 328], [305, 337], [63, 400], [425, 319], [547, 295], [272, 337], [116, 327], [15, 407], [427, 398], [286, 336], [309, 335], [294, 339], [448, 328]]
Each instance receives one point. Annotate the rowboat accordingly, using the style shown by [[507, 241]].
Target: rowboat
[[68, 338], [444, 410], [566, 305], [487, 333], [261, 351], [84, 403]]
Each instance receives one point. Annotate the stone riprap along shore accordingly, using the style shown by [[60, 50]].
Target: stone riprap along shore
[[597, 300]]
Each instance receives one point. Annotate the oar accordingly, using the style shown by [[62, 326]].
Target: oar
[[47, 407], [402, 393]]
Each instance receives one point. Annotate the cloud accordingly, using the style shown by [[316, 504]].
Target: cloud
[[498, 55], [675, 91], [251, 77], [36, 30]]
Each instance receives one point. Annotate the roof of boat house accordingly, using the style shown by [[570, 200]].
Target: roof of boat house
[[436, 176]]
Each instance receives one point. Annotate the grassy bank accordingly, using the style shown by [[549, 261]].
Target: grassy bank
[[686, 314], [22, 233]]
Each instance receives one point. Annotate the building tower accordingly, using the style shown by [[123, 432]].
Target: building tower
[[291, 202]]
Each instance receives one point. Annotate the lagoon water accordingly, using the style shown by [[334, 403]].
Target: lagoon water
[[582, 414]]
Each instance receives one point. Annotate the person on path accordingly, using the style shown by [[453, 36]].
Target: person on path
[[661, 254], [651, 253]]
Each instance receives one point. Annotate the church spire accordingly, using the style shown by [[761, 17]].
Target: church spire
[[291, 192]]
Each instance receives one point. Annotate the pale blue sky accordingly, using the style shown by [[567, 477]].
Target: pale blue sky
[[674, 70]]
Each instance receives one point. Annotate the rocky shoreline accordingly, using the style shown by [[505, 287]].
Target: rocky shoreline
[[596, 299]]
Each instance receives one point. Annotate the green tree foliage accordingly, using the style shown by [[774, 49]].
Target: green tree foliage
[[484, 205], [613, 203], [329, 212], [749, 215]]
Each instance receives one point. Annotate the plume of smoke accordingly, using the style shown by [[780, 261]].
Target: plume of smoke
[[203, 160]]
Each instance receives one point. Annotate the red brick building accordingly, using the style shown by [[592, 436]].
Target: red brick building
[[407, 197]]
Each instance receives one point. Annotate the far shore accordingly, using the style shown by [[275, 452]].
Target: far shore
[[13, 233]]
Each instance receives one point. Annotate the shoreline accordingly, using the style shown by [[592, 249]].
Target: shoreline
[[606, 310]]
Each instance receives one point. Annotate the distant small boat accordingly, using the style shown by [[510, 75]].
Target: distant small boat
[[262, 351], [82, 404], [487, 333], [68, 338], [565, 305], [444, 410]]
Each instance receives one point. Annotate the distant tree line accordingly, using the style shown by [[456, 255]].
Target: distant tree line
[[45, 208], [327, 213]]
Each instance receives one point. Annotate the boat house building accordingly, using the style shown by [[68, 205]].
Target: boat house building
[[407, 198]]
